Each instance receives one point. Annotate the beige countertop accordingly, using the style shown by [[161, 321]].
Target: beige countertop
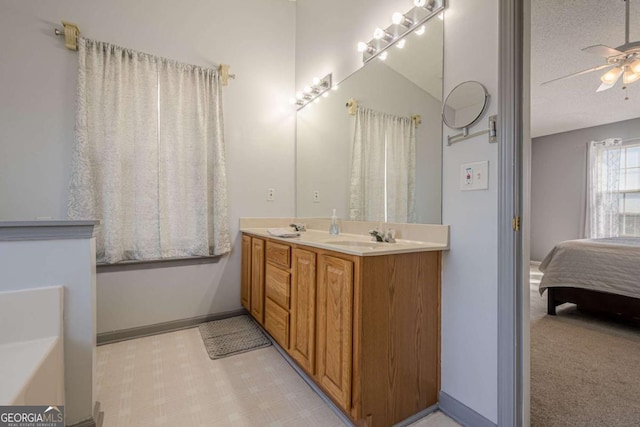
[[354, 244]]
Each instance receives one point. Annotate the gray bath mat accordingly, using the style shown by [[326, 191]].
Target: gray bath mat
[[231, 336]]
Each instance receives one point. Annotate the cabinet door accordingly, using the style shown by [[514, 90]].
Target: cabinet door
[[334, 311], [245, 281], [303, 309], [257, 279]]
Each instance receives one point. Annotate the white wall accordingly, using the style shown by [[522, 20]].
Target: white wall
[[469, 280], [37, 108], [558, 182], [325, 42]]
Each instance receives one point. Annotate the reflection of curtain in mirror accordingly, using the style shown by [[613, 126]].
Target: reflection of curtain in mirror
[[383, 168]]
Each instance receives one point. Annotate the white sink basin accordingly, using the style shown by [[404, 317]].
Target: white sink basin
[[357, 244]]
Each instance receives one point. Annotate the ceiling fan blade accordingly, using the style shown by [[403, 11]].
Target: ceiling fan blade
[[579, 73], [602, 50]]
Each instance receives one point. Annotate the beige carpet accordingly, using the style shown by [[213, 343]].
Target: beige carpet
[[585, 369]]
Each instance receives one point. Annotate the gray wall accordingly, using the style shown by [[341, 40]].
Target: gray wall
[[558, 182], [37, 110]]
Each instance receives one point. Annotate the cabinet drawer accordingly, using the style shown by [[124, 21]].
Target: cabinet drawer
[[276, 322], [279, 254], [278, 286]]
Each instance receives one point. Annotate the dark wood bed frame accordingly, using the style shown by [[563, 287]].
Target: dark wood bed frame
[[593, 301]]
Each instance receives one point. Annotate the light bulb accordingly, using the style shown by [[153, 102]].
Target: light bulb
[[362, 47], [420, 31], [630, 76], [383, 56], [401, 43], [635, 66], [378, 33], [316, 80], [307, 89], [611, 76], [300, 95], [335, 87], [397, 18]]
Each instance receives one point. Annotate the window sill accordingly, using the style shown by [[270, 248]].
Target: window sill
[[156, 263]]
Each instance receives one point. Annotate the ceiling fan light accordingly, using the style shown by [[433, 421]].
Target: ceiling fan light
[[611, 76], [635, 66], [630, 76]]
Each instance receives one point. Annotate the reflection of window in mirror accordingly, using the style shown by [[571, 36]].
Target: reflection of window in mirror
[[407, 83]]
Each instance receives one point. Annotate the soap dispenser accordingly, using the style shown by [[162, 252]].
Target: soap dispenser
[[334, 229]]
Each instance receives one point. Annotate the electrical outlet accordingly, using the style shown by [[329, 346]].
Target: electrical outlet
[[316, 196], [271, 194], [474, 176]]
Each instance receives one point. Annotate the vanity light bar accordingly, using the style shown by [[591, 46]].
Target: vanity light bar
[[312, 92], [401, 25]]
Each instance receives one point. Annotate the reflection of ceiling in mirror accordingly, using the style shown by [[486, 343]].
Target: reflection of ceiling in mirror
[[420, 60]]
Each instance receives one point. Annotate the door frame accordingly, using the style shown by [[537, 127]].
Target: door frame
[[513, 312]]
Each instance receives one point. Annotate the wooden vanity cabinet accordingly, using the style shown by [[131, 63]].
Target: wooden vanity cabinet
[[335, 322], [278, 291], [257, 279], [303, 309], [365, 329], [245, 275]]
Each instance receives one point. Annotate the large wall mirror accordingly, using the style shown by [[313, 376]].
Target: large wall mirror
[[380, 164]]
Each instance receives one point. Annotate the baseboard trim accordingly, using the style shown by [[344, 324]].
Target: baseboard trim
[[462, 413], [89, 422], [309, 381], [159, 328], [407, 421], [417, 416], [98, 415]]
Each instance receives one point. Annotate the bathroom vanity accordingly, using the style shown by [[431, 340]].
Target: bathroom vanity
[[361, 318]]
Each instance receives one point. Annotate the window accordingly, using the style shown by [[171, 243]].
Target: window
[[629, 183], [149, 156]]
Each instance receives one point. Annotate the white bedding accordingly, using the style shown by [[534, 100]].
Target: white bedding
[[606, 265]]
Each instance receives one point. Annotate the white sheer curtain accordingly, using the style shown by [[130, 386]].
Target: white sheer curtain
[[603, 189], [149, 157], [382, 168]]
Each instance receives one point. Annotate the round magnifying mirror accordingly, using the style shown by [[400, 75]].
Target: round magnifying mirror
[[465, 105]]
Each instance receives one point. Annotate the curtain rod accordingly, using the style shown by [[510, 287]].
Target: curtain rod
[[352, 105], [622, 140], [71, 33]]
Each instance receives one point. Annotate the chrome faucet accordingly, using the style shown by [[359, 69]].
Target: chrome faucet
[[378, 236]]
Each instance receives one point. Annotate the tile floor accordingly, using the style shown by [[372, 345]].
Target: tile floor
[[169, 380]]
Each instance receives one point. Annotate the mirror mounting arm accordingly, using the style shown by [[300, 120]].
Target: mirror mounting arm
[[492, 131]]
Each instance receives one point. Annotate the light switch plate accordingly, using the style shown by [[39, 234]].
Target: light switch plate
[[474, 176]]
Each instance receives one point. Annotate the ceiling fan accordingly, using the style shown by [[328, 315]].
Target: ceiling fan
[[623, 60]]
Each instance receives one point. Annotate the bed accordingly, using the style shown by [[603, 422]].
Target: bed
[[596, 274]]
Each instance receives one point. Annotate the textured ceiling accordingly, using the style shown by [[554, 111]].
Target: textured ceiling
[[559, 30]]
